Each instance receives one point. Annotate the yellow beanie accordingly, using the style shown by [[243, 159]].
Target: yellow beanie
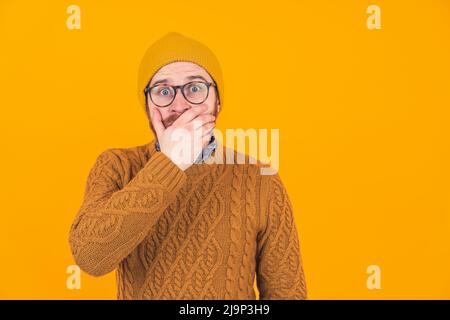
[[176, 47]]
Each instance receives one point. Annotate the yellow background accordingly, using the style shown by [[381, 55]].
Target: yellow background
[[363, 118]]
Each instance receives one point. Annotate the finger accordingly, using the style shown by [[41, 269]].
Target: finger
[[207, 128], [203, 120], [203, 126], [156, 119], [190, 114]]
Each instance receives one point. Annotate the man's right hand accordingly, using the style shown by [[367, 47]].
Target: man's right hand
[[194, 125]]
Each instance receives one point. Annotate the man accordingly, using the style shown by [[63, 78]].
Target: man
[[178, 227]]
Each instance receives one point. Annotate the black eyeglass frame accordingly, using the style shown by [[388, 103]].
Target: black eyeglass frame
[[181, 87]]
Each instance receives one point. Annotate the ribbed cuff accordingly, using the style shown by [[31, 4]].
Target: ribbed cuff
[[165, 171]]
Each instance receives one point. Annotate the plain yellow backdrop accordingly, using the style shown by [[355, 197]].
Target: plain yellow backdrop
[[363, 118]]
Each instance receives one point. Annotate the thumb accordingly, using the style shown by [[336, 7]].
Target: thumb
[[156, 119]]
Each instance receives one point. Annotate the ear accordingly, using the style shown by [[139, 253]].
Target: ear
[[218, 105], [147, 107]]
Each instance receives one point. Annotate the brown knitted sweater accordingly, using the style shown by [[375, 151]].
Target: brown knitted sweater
[[202, 233]]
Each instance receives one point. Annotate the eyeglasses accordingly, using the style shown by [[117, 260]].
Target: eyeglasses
[[195, 92]]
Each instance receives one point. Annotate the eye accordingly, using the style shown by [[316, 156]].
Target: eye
[[195, 89], [164, 91]]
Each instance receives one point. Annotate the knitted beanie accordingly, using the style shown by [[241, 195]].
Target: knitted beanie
[[176, 47]]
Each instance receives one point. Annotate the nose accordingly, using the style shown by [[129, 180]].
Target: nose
[[179, 104]]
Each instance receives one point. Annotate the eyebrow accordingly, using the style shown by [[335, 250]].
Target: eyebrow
[[187, 78], [195, 77]]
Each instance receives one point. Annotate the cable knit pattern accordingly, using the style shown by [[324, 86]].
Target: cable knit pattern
[[202, 233]]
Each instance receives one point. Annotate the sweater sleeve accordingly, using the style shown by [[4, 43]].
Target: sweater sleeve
[[279, 270], [112, 221]]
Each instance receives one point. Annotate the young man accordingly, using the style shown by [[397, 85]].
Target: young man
[[179, 227]]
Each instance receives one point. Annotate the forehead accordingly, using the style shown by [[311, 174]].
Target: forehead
[[177, 72]]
